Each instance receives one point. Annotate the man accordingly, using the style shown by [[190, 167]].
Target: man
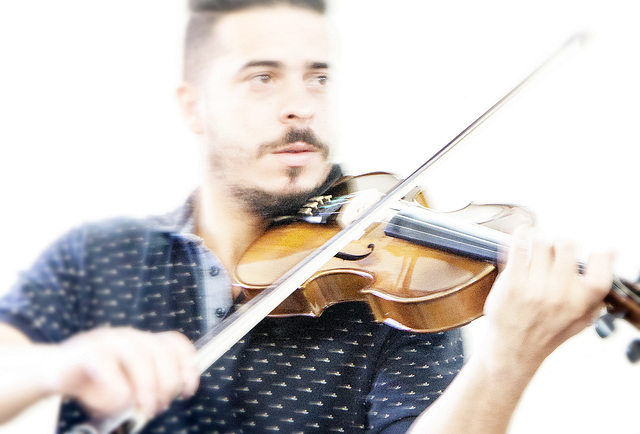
[[106, 316]]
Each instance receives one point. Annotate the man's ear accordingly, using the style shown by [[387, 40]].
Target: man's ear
[[189, 101]]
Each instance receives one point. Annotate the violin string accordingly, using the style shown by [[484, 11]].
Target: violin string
[[483, 241], [478, 238], [486, 244]]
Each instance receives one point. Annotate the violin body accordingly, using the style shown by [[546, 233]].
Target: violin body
[[406, 285]]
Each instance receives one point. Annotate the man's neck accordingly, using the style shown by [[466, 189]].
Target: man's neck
[[226, 227]]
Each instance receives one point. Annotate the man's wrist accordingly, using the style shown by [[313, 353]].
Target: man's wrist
[[508, 366]]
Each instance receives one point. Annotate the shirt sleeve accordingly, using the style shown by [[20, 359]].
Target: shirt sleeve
[[42, 302], [412, 371]]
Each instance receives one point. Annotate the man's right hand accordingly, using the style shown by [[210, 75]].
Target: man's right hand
[[108, 370]]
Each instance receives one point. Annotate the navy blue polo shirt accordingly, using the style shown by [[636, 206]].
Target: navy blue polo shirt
[[342, 372]]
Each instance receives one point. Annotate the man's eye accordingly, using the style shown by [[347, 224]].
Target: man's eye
[[262, 78], [318, 80], [321, 79]]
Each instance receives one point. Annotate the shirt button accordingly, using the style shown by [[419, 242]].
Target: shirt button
[[220, 312], [214, 271]]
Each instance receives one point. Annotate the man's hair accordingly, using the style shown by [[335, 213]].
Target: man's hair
[[236, 5], [204, 14]]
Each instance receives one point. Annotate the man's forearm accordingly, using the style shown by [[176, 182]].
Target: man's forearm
[[480, 400], [21, 381]]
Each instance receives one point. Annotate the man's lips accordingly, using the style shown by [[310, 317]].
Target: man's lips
[[295, 148], [295, 142], [296, 154]]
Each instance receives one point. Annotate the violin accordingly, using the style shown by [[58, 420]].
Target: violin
[[408, 281], [417, 269]]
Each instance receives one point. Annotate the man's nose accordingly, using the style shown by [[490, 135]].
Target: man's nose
[[299, 104]]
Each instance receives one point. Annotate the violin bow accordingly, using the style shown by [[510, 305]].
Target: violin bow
[[222, 337]]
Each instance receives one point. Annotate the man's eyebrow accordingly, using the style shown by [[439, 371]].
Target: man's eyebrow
[[318, 65], [276, 64], [268, 63]]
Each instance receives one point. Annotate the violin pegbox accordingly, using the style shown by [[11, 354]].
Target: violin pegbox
[[340, 209], [623, 302], [319, 209]]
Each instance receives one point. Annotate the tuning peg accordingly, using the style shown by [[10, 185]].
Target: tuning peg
[[604, 326], [633, 351]]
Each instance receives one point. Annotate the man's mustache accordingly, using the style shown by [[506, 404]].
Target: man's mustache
[[292, 136]]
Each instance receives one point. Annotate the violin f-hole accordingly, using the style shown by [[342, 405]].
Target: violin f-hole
[[350, 257]]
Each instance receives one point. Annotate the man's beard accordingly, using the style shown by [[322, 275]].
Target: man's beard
[[270, 205]]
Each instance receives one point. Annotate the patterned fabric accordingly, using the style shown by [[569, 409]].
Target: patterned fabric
[[342, 372]]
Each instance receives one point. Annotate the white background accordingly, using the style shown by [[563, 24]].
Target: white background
[[89, 129]]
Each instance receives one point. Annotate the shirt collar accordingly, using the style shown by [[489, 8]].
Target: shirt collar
[[180, 222]]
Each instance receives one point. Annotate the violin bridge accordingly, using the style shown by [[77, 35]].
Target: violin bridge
[[359, 203]]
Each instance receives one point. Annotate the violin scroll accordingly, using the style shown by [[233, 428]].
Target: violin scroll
[[622, 302]]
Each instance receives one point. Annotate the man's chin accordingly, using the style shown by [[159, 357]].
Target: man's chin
[[306, 178], [272, 204], [290, 191]]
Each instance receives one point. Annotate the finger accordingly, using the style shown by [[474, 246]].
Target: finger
[[106, 389], [184, 355], [134, 353], [172, 357], [167, 371], [515, 218], [564, 268], [540, 262], [519, 252], [598, 276]]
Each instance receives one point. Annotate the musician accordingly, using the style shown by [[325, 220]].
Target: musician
[[107, 316]]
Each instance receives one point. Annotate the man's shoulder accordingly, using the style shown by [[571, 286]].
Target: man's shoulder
[[118, 227], [118, 239], [137, 229]]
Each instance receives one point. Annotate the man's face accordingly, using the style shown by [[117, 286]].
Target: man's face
[[264, 101]]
